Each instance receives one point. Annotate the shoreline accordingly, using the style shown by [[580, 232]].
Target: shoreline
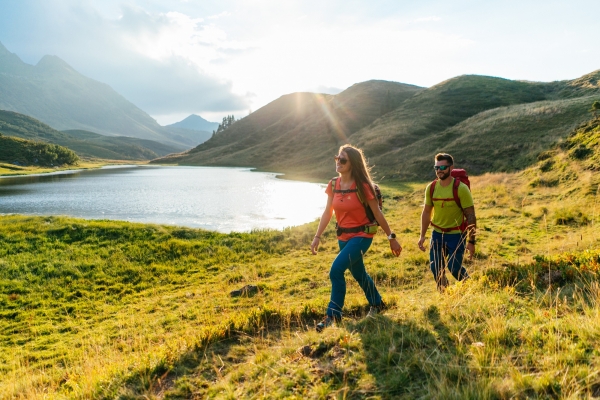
[[15, 171], [288, 176]]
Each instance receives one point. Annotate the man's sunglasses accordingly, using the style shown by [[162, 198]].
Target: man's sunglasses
[[341, 160], [441, 167]]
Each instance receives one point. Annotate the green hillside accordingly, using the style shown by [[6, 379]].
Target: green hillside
[[91, 144], [296, 132], [502, 139], [85, 144], [26, 152], [105, 309], [54, 93], [493, 113]]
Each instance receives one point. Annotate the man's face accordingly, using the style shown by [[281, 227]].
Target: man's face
[[443, 172]]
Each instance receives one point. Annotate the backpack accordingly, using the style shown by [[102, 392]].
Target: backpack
[[459, 175], [368, 210]]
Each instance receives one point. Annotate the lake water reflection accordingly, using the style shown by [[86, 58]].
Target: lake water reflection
[[221, 199]]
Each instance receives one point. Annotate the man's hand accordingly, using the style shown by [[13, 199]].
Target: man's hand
[[396, 248], [421, 243], [471, 250]]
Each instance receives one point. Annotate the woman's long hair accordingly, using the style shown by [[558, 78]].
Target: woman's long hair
[[360, 170]]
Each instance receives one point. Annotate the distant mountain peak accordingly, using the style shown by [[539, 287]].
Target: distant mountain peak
[[54, 63], [10, 62], [194, 117], [196, 123], [3, 50]]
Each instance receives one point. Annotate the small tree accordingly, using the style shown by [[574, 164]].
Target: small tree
[[595, 108]]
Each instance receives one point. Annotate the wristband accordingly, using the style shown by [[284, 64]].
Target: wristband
[[472, 241], [317, 237]]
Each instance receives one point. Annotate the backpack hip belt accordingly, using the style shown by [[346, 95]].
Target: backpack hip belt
[[363, 228], [445, 230]]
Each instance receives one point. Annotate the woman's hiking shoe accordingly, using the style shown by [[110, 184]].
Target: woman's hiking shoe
[[326, 323], [378, 309]]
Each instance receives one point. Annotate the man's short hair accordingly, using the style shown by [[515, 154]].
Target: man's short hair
[[444, 156]]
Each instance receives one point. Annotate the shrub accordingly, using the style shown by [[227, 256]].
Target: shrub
[[570, 216], [580, 152], [547, 165]]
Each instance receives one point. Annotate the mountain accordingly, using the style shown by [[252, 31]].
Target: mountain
[[428, 123], [498, 140], [190, 136], [299, 132], [84, 143], [488, 123], [54, 93], [196, 123]]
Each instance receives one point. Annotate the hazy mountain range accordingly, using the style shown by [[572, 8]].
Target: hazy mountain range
[[84, 143], [56, 94]]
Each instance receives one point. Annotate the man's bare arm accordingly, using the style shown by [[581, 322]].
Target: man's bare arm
[[471, 222]]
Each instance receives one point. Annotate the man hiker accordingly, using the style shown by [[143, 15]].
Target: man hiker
[[454, 223]]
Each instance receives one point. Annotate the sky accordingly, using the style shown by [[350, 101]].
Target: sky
[[215, 58]]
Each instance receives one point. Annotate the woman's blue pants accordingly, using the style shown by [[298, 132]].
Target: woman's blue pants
[[350, 257]]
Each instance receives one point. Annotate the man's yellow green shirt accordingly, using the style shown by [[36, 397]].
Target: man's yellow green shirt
[[446, 213]]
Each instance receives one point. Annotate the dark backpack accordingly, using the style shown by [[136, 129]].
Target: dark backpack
[[459, 175], [368, 210]]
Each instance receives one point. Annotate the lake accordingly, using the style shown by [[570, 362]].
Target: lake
[[220, 199]]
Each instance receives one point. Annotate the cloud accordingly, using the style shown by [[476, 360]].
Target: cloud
[[174, 86], [164, 62], [428, 19]]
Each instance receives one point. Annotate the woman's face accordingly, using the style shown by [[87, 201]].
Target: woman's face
[[342, 163]]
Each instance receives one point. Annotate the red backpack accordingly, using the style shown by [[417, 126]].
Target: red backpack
[[459, 175]]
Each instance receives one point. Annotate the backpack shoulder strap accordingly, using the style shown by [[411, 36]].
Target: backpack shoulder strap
[[455, 186], [333, 184], [360, 198], [364, 203], [431, 189]]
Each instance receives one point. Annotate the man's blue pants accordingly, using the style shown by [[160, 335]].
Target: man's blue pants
[[447, 249]]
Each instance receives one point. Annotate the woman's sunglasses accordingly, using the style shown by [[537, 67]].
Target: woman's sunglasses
[[341, 160]]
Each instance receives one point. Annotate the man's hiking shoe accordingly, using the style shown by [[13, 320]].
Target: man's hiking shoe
[[326, 323], [374, 310], [442, 283]]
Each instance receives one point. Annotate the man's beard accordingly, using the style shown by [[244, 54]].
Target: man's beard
[[446, 175]]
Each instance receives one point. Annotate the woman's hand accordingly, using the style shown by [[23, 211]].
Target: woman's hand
[[314, 246], [396, 248]]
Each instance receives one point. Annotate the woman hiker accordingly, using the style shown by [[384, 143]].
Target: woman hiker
[[354, 231]]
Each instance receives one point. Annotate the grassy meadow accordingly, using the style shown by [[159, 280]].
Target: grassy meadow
[[105, 309]]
